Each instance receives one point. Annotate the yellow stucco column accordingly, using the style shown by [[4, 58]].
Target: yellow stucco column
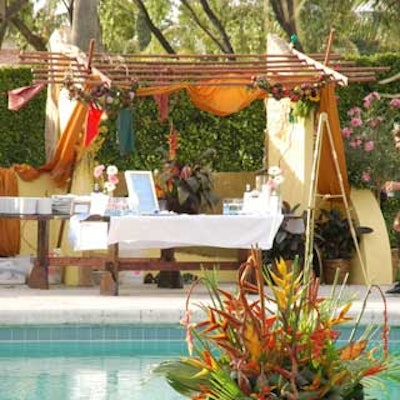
[[290, 146], [375, 246]]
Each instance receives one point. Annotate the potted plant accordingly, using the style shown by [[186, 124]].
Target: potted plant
[[280, 343], [334, 238], [289, 242], [187, 188]]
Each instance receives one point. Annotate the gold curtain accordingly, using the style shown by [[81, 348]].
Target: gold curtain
[[328, 180], [9, 228]]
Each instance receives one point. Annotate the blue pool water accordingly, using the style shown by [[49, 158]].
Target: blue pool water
[[94, 362], [87, 363]]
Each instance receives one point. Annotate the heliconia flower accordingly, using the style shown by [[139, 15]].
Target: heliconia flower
[[366, 177], [112, 170], [369, 146], [395, 103], [346, 132], [98, 171], [356, 122]]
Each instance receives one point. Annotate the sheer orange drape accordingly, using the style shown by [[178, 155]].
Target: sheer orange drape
[[9, 228], [60, 167], [218, 100], [328, 181]]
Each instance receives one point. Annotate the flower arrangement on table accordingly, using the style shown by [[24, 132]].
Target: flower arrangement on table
[[275, 178], [282, 345], [106, 179], [371, 156], [304, 98], [187, 187]]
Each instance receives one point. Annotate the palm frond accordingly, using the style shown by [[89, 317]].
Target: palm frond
[[185, 377]]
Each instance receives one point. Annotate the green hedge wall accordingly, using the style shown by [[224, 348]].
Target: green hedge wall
[[21, 132], [238, 139]]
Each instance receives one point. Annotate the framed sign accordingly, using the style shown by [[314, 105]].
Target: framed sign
[[141, 190], [80, 207]]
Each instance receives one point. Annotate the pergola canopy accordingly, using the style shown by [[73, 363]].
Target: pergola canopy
[[145, 70]]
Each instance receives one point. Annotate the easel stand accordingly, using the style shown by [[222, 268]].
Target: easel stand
[[324, 127]]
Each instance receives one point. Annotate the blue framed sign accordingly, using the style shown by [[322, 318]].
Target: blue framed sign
[[141, 187]]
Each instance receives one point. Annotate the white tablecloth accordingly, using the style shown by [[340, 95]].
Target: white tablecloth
[[171, 230]]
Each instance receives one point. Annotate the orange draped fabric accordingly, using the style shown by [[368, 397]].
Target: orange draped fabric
[[328, 181], [9, 228], [217, 100], [61, 166]]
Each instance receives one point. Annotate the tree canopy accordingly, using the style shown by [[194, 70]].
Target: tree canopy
[[206, 26]]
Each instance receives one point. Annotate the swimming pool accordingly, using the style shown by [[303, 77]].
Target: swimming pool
[[87, 362], [93, 362]]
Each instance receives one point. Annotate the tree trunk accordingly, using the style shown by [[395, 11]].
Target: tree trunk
[[86, 25]]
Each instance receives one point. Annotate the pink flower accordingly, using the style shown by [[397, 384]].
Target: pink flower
[[366, 177], [346, 132], [98, 171], [375, 122], [113, 179], [356, 122], [369, 146], [354, 112], [186, 172], [356, 142], [395, 103], [369, 99]]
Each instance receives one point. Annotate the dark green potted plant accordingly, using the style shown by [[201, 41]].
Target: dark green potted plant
[[289, 242], [333, 236], [188, 186]]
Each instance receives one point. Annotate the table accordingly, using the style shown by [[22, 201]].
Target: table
[[174, 230], [162, 232], [38, 277]]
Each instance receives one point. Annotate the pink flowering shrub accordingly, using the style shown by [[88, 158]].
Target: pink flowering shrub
[[371, 156]]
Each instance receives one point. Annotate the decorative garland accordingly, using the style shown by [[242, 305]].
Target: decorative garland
[[304, 97], [110, 99]]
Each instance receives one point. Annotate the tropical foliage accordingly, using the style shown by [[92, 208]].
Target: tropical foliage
[[277, 344], [187, 186]]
